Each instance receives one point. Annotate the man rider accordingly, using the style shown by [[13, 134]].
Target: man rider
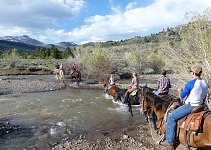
[[163, 84], [195, 91]]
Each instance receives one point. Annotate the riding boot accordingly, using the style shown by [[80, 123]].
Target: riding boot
[[126, 97]]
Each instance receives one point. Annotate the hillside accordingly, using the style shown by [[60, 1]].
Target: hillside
[[6, 46]]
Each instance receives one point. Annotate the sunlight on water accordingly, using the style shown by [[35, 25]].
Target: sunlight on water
[[52, 131]]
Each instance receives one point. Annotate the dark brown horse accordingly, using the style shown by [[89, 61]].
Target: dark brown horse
[[119, 95], [76, 75], [198, 140], [152, 102]]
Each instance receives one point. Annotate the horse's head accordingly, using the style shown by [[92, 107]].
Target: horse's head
[[105, 83], [145, 104], [149, 101]]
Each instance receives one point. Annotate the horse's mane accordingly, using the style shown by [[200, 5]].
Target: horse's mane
[[154, 100], [158, 102]]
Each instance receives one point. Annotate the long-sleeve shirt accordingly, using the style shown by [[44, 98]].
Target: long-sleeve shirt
[[163, 84], [196, 90], [135, 83]]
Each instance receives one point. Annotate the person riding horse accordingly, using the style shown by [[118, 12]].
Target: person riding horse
[[61, 72], [111, 82], [163, 85], [132, 87], [196, 91]]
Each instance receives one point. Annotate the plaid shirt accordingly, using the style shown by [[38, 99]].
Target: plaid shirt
[[163, 84]]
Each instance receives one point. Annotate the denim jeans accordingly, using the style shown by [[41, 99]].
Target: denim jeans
[[172, 121], [156, 92]]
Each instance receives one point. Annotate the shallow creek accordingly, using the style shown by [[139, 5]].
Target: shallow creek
[[48, 117]]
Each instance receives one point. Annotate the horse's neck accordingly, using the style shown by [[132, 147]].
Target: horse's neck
[[159, 113]]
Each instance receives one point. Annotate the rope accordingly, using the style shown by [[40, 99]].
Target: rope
[[158, 139]]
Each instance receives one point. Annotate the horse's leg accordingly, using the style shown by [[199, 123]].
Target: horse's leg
[[77, 80], [126, 97], [130, 108], [154, 120]]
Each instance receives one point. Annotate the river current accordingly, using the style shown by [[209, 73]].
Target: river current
[[47, 117]]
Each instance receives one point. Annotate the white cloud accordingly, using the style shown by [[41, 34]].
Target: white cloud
[[130, 6], [39, 19], [139, 21], [37, 14]]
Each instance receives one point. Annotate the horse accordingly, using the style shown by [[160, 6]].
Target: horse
[[119, 95], [112, 90], [158, 105], [188, 138], [77, 75]]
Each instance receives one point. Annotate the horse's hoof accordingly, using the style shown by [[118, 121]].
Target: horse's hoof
[[155, 128]]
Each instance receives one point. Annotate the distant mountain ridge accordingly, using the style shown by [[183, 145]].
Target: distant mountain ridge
[[25, 43], [22, 39]]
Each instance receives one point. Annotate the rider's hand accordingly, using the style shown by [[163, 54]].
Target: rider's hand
[[180, 90]]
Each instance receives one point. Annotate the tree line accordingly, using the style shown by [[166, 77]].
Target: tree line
[[39, 53]]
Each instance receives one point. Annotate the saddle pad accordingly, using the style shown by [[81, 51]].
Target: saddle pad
[[134, 93]]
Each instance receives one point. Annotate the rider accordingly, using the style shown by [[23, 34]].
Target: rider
[[111, 82], [73, 69], [57, 68], [196, 91], [132, 87], [61, 72], [163, 84]]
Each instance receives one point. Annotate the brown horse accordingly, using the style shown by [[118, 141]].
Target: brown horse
[[112, 90], [195, 139]]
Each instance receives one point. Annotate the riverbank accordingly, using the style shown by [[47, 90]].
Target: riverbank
[[16, 86]]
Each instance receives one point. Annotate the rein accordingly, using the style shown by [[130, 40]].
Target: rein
[[158, 139]]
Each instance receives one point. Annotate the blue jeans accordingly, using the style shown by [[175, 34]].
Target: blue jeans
[[156, 92], [172, 121]]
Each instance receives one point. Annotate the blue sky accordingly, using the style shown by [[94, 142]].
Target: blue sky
[[81, 21]]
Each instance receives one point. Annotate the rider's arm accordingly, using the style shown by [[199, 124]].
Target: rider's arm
[[188, 87]]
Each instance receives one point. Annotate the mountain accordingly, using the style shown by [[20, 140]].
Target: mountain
[[26, 44], [6, 46], [63, 45], [23, 39], [66, 44]]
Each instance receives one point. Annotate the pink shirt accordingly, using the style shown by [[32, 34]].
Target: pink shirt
[[135, 83]]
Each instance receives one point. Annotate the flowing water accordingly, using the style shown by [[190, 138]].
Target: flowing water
[[48, 117]]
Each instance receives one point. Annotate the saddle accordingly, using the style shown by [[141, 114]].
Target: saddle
[[193, 123], [134, 93]]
